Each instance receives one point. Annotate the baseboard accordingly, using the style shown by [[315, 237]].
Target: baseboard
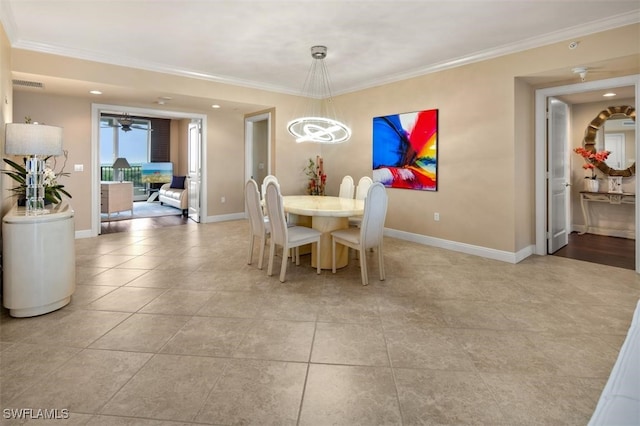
[[485, 252], [84, 233], [223, 217]]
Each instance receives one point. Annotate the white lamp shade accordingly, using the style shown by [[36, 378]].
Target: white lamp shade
[[32, 139]]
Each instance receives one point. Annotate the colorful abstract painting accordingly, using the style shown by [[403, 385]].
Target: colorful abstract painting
[[405, 150]]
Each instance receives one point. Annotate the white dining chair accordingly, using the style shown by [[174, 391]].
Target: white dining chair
[[265, 181], [346, 187], [258, 222], [361, 193], [370, 233], [287, 237]]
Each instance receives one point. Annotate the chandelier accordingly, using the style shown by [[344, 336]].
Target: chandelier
[[318, 122]]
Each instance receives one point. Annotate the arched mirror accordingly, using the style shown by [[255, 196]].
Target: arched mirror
[[613, 130]]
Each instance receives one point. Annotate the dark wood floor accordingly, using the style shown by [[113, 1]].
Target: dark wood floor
[[612, 251], [143, 223]]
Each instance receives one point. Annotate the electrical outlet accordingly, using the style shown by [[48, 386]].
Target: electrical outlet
[[222, 199], [436, 216], [78, 167]]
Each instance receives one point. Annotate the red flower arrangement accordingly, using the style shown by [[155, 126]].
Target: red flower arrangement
[[316, 175], [590, 158]]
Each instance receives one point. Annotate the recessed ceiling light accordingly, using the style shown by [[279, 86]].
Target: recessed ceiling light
[[95, 92], [215, 106], [609, 95]]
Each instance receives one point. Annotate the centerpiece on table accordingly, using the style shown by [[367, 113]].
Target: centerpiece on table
[[316, 175], [591, 159]]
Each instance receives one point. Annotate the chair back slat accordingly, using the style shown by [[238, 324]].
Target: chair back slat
[[363, 187], [275, 212], [375, 212], [346, 187], [252, 199]]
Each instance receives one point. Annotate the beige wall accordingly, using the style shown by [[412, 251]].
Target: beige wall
[[486, 140], [6, 111]]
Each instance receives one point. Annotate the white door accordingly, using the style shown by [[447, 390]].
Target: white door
[[559, 174], [195, 170]]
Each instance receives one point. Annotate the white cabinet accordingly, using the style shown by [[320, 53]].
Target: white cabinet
[[116, 197], [39, 260]]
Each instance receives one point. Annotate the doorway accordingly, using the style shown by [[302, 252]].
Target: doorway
[[544, 157], [258, 152], [195, 155]]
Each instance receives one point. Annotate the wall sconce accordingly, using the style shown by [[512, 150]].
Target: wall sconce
[[121, 163], [36, 141]]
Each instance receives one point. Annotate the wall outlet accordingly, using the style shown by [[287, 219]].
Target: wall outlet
[[222, 199], [78, 167], [436, 216]]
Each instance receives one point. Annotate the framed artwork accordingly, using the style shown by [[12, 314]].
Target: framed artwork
[[405, 150]]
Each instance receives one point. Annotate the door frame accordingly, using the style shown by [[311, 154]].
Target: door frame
[[249, 122], [96, 111], [541, 145]]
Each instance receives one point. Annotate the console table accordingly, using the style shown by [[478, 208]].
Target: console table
[[39, 265], [602, 197], [116, 197]]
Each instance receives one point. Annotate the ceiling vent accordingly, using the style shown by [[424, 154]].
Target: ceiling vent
[[27, 83]]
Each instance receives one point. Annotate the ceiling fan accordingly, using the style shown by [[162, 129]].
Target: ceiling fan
[[125, 122]]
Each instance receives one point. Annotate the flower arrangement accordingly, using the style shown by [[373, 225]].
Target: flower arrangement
[[317, 178], [53, 190], [590, 158]]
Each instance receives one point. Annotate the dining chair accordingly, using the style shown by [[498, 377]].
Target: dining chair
[[287, 237], [361, 192], [259, 223], [370, 233], [346, 187], [265, 181]]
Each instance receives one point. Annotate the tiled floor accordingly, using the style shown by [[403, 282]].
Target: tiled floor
[[171, 327]]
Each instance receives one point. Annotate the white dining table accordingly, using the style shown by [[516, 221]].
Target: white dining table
[[325, 214]]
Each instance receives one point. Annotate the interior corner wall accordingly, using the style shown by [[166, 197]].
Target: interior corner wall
[[524, 173]]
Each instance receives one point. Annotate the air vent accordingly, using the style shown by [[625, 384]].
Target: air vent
[[26, 83]]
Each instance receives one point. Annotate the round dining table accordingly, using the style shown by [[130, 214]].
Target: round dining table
[[325, 214]]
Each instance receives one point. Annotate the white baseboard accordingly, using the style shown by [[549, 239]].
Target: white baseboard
[[485, 252], [223, 217], [84, 233]]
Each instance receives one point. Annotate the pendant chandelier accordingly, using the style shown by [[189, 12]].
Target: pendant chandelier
[[318, 122]]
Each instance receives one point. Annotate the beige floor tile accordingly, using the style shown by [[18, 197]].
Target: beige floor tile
[[85, 294], [277, 340], [353, 344], [294, 307], [77, 328], [405, 310], [178, 302], [131, 421], [143, 263], [141, 333], [545, 400], [473, 314], [233, 304], [253, 392], [114, 277], [209, 336], [25, 365], [353, 308], [126, 299], [158, 279], [446, 398], [348, 395], [85, 383], [106, 261], [503, 352], [420, 346], [168, 387]]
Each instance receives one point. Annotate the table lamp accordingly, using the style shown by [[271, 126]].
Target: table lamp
[[121, 163], [36, 141]]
